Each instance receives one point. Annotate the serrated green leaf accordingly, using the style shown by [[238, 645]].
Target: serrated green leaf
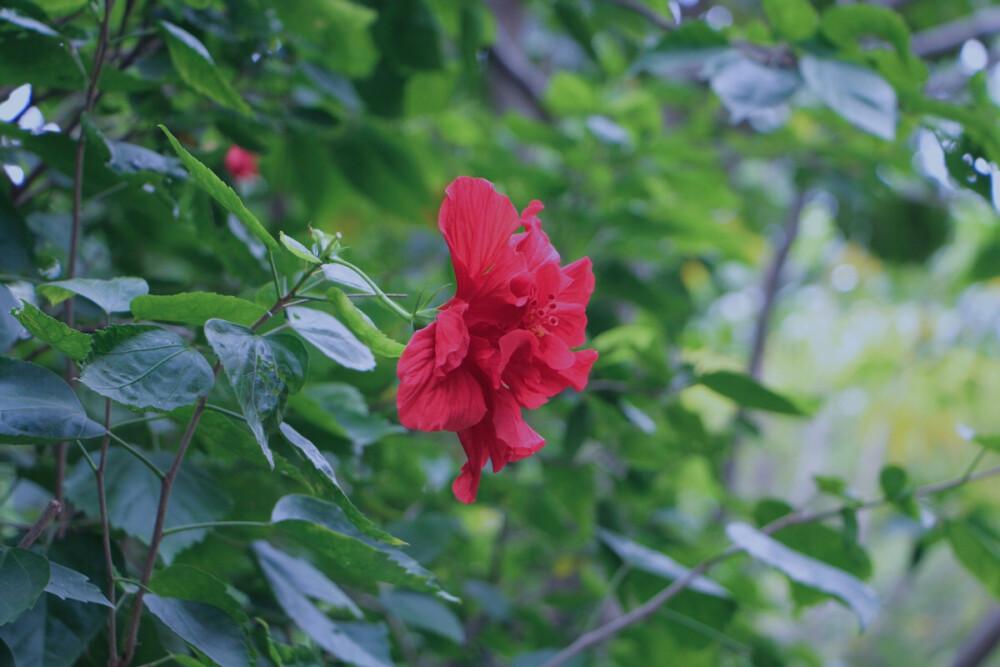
[[195, 65], [68, 584], [206, 628], [222, 193], [251, 365], [23, 577], [298, 249], [748, 393], [328, 480], [112, 296], [808, 571], [302, 576], [196, 308], [340, 550], [146, 366], [331, 338], [185, 582], [37, 406], [74, 344], [362, 327]]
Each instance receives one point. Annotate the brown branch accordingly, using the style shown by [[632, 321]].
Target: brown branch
[[49, 513], [981, 643], [609, 630], [132, 634]]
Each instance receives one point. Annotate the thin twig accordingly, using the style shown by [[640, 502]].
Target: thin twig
[[132, 634], [102, 501], [609, 630], [949, 36], [49, 513]]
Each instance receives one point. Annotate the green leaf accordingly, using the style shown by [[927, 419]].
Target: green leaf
[[748, 393], [204, 627], [328, 480], [112, 296], [292, 357], [990, 441], [835, 486], [977, 547], [287, 577], [195, 65], [748, 88], [657, 563], [424, 612], [23, 577], [284, 571], [795, 20], [27, 23], [808, 571], [74, 344], [340, 410], [362, 327], [189, 583], [10, 330], [846, 25], [251, 365], [894, 481], [196, 308], [37, 406], [331, 338], [68, 584], [298, 249], [339, 31], [222, 193], [146, 366], [342, 551], [342, 275], [861, 96], [133, 496]]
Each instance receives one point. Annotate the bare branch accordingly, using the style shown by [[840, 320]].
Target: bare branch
[[948, 36]]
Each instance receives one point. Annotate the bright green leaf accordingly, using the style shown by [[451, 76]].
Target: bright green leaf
[[196, 308], [362, 327], [794, 20], [748, 393], [74, 344], [222, 193], [977, 547], [298, 249], [113, 296], [195, 65]]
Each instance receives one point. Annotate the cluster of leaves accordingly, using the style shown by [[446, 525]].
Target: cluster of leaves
[[212, 407]]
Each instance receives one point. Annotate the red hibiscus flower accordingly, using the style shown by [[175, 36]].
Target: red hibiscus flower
[[241, 163], [504, 341]]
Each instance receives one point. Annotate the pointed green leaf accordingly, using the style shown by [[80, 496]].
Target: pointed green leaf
[[298, 249], [252, 367], [302, 576], [342, 551], [23, 577], [424, 612], [222, 193], [37, 406], [794, 20], [976, 545], [748, 393], [861, 96], [328, 480], [145, 366], [113, 296], [69, 584], [362, 327], [331, 338], [292, 358], [189, 583], [808, 571], [206, 628], [195, 65], [196, 308], [656, 563], [74, 344]]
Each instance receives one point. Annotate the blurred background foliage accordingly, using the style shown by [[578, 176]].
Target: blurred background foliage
[[804, 193]]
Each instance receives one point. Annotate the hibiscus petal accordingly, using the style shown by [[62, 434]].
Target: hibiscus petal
[[430, 402], [451, 339], [579, 373], [515, 440], [477, 223], [475, 441], [533, 244]]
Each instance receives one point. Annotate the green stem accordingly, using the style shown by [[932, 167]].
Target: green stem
[[137, 453], [274, 274], [216, 524], [383, 297], [86, 455], [224, 411], [141, 420], [975, 464]]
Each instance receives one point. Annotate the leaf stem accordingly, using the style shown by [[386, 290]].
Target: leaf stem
[[382, 296], [137, 453], [224, 411], [609, 630], [216, 524]]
